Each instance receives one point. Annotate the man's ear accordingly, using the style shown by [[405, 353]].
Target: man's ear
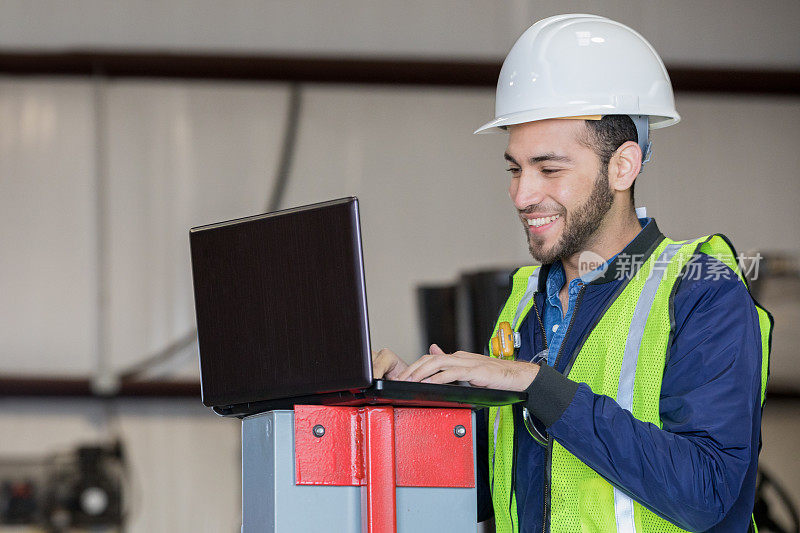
[[624, 166]]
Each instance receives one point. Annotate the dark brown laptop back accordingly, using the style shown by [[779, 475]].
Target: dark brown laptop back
[[281, 304]]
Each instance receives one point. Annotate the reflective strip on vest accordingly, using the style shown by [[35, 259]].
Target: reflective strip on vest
[[530, 288], [533, 284], [623, 504]]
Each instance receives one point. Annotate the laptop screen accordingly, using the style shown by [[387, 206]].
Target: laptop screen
[[281, 304]]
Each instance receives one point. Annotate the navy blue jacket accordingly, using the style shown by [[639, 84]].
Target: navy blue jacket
[[699, 471]]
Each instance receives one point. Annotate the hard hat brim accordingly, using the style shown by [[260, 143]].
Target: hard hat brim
[[658, 118]]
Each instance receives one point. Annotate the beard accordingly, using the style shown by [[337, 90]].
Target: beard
[[579, 227]]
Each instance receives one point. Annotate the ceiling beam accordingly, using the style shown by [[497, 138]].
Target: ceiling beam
[[36, 386], [349, 70]]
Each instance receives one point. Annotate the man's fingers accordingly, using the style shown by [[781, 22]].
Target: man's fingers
[[386, 364], [435, 350], [409, 373], [382, 362], [379, 367], [446, 376], [394, 370], [428, 365]]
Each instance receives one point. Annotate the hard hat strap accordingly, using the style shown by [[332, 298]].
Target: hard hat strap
[[642, 123]]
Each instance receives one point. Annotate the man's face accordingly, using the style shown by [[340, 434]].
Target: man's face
[[558, 187]]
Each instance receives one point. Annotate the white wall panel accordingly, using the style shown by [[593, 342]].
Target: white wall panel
[[730, 166], [179, 155], [187, 467], [48, 319], [735, 32], [34, 428]]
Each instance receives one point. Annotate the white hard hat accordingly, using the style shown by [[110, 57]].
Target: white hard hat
[[574, 66]]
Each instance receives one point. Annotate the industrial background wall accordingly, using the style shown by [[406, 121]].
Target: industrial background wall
[[102, 176]]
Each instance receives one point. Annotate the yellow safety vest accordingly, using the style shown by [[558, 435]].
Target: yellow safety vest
[[623, 357]]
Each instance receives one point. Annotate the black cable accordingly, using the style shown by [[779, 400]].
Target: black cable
[[287, 150], [137, 370]]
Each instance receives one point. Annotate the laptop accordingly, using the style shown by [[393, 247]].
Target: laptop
[[282, 319]]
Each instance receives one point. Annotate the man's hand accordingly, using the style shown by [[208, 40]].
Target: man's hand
[[386, 364], [478, 370]]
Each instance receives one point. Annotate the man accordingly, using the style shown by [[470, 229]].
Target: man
[[646, 370]]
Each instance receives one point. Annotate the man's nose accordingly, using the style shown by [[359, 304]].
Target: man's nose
[[529, 191]]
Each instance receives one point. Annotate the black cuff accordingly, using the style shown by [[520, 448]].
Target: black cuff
[[549, 395]]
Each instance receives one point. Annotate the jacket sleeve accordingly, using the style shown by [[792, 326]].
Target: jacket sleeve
[[691, 471]]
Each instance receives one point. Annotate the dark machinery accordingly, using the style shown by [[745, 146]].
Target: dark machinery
[[66, 491]]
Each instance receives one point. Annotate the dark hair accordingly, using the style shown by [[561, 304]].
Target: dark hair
[[608, 134]]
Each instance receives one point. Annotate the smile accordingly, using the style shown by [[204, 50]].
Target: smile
[[538, 222]]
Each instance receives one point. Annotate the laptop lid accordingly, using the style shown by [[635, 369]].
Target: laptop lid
[[281, 304]]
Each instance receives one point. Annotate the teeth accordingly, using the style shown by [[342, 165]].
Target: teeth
[[536, 222]]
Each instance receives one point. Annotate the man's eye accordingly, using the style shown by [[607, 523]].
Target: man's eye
[[550, 170], [512, 170]]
